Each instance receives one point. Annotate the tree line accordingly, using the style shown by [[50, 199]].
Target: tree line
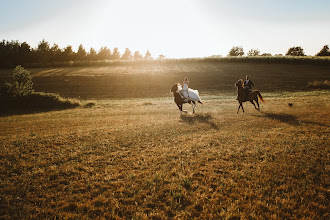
[[292, 51], [13, 53]]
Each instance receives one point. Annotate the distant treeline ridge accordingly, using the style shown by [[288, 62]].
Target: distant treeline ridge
[[13, 53]]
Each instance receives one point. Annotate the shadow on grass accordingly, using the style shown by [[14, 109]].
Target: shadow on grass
[[11, 112], [289, 119], [34, 103], [197, 118]]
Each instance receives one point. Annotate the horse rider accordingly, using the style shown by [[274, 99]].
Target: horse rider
[[185, 87], [248, 84]]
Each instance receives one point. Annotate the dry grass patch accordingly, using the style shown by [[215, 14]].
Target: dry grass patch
[[139, 159]]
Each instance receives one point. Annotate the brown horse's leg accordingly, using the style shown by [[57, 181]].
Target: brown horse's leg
[[240, 105], [253, 104], [257, 104]]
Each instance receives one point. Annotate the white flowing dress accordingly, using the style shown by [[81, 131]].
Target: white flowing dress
[[193, 95]]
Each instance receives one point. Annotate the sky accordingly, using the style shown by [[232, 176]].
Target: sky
[[174, 28]]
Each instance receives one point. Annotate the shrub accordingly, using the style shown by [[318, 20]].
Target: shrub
[[22, 84], [20, 95]]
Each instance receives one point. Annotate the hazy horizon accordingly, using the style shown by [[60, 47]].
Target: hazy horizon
[[176, 29]]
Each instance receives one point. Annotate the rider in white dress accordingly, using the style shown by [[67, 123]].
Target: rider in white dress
[[185, 88]]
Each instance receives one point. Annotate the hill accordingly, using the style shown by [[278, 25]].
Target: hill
[[154, 79]]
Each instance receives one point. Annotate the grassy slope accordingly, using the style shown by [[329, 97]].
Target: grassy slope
[[139, 158], [155, 79]]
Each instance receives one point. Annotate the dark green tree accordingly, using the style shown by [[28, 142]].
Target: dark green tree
[[56, 53], [81, 53], [43, 51], [295, 51], [68, 54], [22, 84], [324, 51], [236, 51], [253, 53], [24, 53]]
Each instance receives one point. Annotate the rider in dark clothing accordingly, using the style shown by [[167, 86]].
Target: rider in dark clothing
[[248, 84]]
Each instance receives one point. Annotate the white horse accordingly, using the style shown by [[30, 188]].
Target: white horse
[[191, 99]]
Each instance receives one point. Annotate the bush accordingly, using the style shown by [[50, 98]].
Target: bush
[[22, 84], [20, 95]]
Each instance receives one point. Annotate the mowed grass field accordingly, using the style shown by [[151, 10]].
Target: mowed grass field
[[132, 156]]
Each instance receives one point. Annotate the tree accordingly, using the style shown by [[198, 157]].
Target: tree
[[324, 51], [22, 82], [236, 51], [24, 53], [147, 56], [68, 53], [127, 55], [116, 54], [43, 51], [104, 54], [253, 53], [81, 53], [92, 54], [56, 52], [137, 55], [295, 51]]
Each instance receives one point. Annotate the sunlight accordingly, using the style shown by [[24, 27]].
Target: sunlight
[[175, 29]]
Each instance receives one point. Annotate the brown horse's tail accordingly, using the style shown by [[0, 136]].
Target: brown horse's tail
[[260, 96]]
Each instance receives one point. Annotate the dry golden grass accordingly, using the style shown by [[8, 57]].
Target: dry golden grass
[[139, 159]]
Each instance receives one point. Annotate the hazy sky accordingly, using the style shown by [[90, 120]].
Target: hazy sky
[[175, 28]]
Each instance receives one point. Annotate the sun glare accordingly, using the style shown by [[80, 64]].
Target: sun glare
[[174, 29]]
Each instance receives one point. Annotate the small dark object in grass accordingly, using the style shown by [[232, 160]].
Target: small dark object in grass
[[290, 104]]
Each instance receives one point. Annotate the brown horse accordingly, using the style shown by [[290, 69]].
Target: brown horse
[[252, 96]]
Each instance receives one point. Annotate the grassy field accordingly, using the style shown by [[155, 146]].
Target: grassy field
[[145, 80], [131, 156]]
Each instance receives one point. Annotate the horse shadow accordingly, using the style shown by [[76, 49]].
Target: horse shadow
[[289, 119], [199, 118]]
